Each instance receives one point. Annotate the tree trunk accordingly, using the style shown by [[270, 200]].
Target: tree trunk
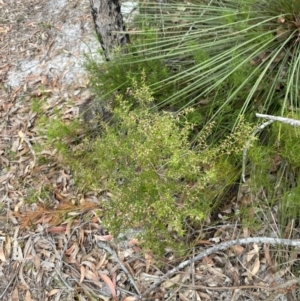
[[109, 25]]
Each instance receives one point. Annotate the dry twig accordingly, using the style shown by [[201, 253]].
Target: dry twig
[[292, 122]]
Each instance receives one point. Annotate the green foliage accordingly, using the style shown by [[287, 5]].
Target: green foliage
[[229, 57], [58, 133], [39, 194], [36, 106], [233, 58], [274, 169], [119, 75], [45, 25], [260, 158], [156, 179], [288, 138], [290, 208], [241, 55], [223, 60]]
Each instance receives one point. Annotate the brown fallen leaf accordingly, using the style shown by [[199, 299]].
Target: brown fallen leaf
[[58, 229], [3, 30], [82, 273], [268, 256], [238, 249], [133, 242], [204, 296], [21, 277], [255, 267], [214, 271], [101, 262], [110, 284], [90, 264], [3, 178], [90, 275], [15, 295], [36, 261], [202, 242], [68, 228], [169, 283], [130, 299], [252, 253], [104, 237], [73, 251], [148, 258], [7, 249], [280, 19], [2, 255], [53, 292], [28, 296]]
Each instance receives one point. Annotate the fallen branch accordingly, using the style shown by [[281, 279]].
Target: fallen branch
[[289, 121], [222, 246]]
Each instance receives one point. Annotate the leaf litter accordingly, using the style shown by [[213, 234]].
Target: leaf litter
[[55, 248]]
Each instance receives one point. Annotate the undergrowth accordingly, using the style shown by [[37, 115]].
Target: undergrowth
[[163, 156], [158, 183]]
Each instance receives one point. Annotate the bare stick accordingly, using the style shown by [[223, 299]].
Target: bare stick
[[222, 246], [289, 121]]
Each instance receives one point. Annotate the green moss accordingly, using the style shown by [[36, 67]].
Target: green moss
[[260, 162], [288, 141], [226, 172], [36, 106], [45, 25], [248, 220], [39, 194], [199, 55], [291, 205]]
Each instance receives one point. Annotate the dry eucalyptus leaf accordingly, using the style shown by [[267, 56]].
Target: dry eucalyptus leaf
[[238, 249], [2, 255], [169, 283], [110, 284], [15, 295], [28, 296], [255, 267], [280, 19], [7, 249], [130, 299]]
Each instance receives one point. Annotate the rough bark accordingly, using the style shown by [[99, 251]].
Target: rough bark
[[109, 25]]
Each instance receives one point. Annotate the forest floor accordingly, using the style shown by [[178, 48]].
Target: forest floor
[[52, 245]]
